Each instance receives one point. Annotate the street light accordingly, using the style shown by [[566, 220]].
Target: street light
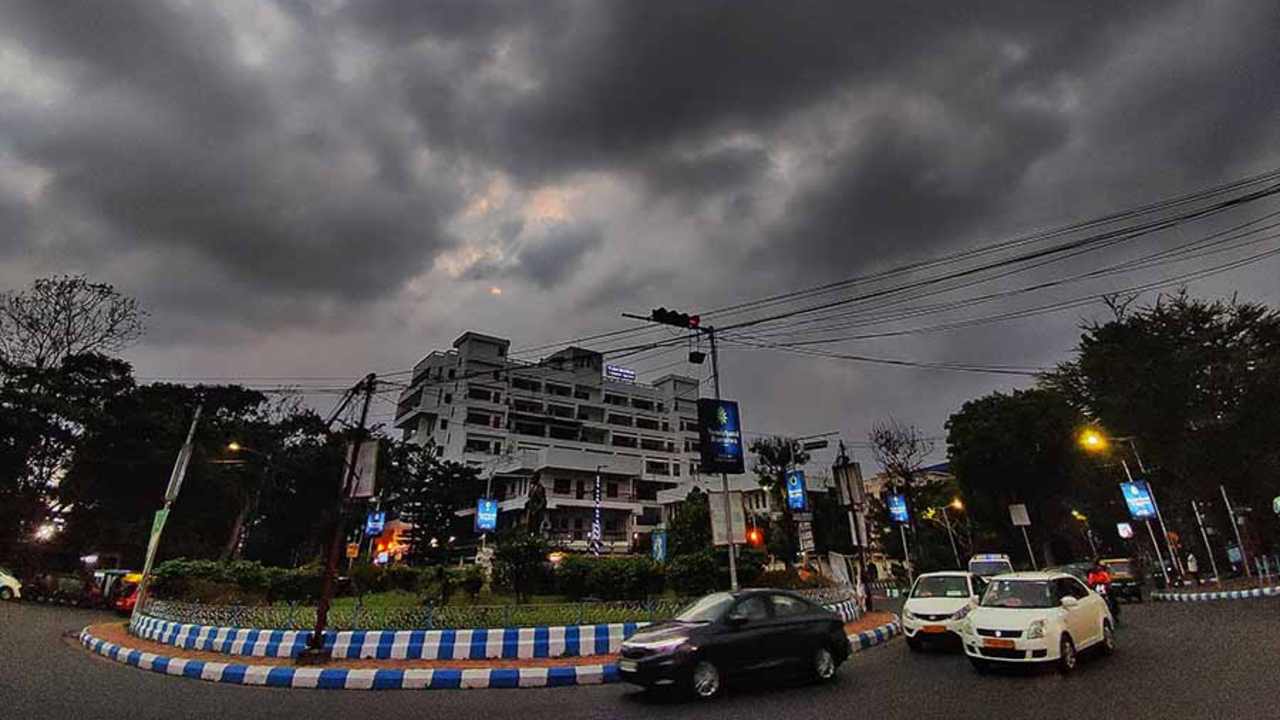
[[234, 446], [1093, 440], [1088, 532]]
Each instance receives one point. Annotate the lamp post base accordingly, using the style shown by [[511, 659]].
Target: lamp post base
[[315, 656]]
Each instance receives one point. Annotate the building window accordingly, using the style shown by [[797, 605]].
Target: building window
[[611, 525], [624, 441], [560, 390], [619, 420], [526, 384], [662, 407], [582, 393], [561, 486], [451, 373], [448, 398], [563, 411], [688, 425], [651, 444], [476, 418], [656, 468], [647, 423], [641, 404], [444, 424], [526, 406], [478, 445], [611, 490], [615, 400], [577, 523]]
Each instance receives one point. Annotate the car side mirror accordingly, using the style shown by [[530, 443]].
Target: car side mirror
[[1070, 602]]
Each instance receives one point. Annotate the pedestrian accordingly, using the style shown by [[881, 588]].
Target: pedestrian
[[1193, 567], [868, 577]]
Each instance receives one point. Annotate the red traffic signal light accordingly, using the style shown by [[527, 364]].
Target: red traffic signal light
[[755, 537], [675, 317]]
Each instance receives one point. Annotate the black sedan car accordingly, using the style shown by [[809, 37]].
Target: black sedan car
[[727, 634]]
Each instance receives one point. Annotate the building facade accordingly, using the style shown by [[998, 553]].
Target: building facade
[[558, 423]]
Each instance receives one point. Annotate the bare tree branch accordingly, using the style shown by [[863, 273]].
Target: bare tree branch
[[65, 315]]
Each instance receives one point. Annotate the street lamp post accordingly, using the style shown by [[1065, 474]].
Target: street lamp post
[[1084, 527], [946, 519], [1094, 441]]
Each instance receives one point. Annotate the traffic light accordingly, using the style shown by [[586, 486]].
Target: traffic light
[[676, 318], [755, 537]]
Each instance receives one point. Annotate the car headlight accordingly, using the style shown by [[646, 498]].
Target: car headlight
[[962, 613], [910, 615], [1035, 631]]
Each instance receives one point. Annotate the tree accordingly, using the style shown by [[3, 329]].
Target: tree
[[62, 316], [520, 560], [1197, 384], [1017, 448], [901, 451], [427, 492], [690, 530], [774, 456]]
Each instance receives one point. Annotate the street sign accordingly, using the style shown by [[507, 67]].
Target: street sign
[[898, 509], [848, 478], [486, 515], [814, 444], [797, 499], [1137, 496], [720, 436], [718, 534], [806, 537], [1018, 514], [1125, 530], [658, 545], [375, 523], [353, 550]]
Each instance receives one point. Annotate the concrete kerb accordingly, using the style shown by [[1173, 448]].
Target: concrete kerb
[[288, 676], [1217, 595]]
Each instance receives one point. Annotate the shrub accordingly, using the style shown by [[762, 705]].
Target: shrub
[[402, 577], [694, 573], [473, 581], [367, 578], [571, 576]]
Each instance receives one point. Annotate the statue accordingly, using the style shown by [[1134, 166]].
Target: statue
[[535, 508]]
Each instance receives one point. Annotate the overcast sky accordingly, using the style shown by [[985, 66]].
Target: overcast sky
[[318, 188]]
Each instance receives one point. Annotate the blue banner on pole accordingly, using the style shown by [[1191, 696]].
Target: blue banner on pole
[[797, 498], [1138, 497], [720, 437], [375, 523], [658, 545], [486, 515], [898, 509]]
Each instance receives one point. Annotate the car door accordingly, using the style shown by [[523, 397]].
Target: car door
[[798, 630], [1079, 618], [1096, 608], [749, 636]]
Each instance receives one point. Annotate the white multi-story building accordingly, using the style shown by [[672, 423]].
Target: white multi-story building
[[559, 422]]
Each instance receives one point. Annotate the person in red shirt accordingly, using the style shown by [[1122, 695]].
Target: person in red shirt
[[1100, 580]]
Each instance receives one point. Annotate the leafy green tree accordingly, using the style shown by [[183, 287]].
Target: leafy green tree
[[1017, 448], [690, 530], [427, 492], [520, 560]]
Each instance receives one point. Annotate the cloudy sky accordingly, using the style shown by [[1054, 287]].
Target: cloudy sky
[[314, 188]]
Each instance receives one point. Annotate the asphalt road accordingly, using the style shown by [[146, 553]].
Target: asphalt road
[[1215, 660]]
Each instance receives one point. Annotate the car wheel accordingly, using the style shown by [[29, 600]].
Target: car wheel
[[1108, 638], [705, 681], [6, 593], [1066, 656], [824, 664], [982, 667], [914, 644]]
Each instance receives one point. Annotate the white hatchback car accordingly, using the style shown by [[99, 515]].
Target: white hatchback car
[[10, 588], [937, 605], [1037, 617]]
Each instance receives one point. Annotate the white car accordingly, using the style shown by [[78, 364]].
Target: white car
[[1037, 617], [10, 588], [937, 605]]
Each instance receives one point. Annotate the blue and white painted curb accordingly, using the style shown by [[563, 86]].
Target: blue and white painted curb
[[1220, 595], [285, 676], [463, 644], [466, 644], [875, 636]]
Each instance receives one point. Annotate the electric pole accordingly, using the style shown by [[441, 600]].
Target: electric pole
[[316, 653]]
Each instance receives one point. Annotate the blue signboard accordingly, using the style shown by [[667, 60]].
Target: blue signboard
[[797, 499], [898, 509], [486, 515], [374, 524], [720, 436], [658, 545], [1138, 497]]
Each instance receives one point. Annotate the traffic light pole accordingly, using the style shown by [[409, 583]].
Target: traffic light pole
[[724, 477]]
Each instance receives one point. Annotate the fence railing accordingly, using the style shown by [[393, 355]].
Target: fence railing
[[359, 616]]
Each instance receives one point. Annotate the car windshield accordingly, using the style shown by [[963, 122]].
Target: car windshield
[[993, 567], [708, 609], [1018, 594], [943, 586]]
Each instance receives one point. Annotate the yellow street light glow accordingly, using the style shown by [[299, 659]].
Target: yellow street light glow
[[1093, 440], [957, 504], [233, 446]]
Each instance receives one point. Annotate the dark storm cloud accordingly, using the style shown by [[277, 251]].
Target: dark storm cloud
[[547, 259]]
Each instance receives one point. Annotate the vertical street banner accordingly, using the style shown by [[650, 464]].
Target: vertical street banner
[[898, 509], [157, 527], [364, 480], [658, 545], [797, 498], [375, 523], [1137, 497], [848, 479], [718, 534], [486, 515], [720, 437]]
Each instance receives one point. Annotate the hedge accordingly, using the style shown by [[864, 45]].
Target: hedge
[[609, 578]]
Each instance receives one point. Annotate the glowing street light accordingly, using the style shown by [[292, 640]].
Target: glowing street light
[[957, 505], [234, 446], [45, 532], [1093, 441]]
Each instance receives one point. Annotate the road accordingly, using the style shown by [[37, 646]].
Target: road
[[1174, 661]]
